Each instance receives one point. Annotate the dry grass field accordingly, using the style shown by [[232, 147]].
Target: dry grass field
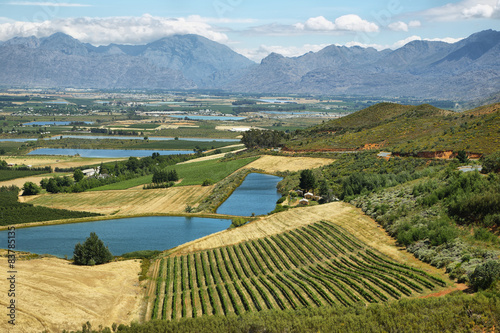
[[57, 161], [127, 202], [54, 295], [274, 164], [19, 182]]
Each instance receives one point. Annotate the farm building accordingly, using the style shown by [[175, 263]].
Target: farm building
[[304, 202], [309, 195]]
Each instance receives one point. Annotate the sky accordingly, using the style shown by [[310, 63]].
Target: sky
[[253, 28]]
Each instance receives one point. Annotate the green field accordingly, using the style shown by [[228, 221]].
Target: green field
[[313, 266], [190, 173]]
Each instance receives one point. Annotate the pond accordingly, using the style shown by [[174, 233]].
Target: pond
[[257, 194], [124, 137], [104, 153], [209, 117], [120, 235], [17, 140]]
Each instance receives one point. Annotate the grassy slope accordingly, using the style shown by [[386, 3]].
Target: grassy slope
[[190, 173], [407, 128]]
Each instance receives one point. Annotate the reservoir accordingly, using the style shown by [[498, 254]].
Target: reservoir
[[209, 117], [257, 194], [120, 235], [104, 153]]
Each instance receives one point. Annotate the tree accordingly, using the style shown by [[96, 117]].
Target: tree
[[91, 252], [30, 188], [78, 175], [307, 180], [491, 163], [462, 156]]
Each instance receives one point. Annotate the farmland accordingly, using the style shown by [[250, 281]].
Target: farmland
[[312, 266], [123, 203]]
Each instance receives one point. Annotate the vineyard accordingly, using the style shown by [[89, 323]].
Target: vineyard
[[315, 265]]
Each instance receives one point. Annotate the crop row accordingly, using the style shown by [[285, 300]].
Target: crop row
[[316, 265]]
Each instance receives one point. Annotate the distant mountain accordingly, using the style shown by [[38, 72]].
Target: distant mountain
[[468, 70], [177, 62]]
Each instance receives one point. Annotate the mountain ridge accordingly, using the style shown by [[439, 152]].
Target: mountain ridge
[[463, 71]]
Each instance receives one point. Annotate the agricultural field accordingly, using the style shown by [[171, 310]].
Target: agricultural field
[[55, 295], [273, 164], [194, 173], [120, 203], [311, 266]]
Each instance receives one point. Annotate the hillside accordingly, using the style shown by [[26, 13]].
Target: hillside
[[406, 129]]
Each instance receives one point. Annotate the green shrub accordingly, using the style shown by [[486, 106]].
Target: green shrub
[[485, 275]]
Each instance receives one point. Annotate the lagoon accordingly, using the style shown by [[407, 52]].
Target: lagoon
[[257, 194], [120, 235], [106, 153]]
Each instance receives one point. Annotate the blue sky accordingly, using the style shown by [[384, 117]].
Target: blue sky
[[254, 28]]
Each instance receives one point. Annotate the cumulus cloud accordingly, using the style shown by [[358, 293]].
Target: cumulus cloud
[[465, 9], [103, 31], [349, 22], [402, 26], [398, 26]]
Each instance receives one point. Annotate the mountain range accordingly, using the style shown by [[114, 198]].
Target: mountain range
[[466, 70]]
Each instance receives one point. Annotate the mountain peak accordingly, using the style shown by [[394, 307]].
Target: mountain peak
[[63, 43]]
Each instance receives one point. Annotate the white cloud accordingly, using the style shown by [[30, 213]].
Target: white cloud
[[398, 26], [287, 51], [198, 18], [103, 31], [465, 9], [349, 22], [402, 26], [46, 4]]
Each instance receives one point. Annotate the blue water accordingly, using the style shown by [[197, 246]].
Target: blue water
[[277, 101], [105, 152], [124, 137], [257, 194], [288, 112], [60, 123], [56, 102], [18, 140], [121, 235], [209, 117]]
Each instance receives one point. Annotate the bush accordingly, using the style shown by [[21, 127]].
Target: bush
[[237, 222], [207, 182], [91, 252], [485, 275], [31, 188]]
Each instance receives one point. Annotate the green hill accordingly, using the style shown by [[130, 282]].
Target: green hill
[[406, 129]]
